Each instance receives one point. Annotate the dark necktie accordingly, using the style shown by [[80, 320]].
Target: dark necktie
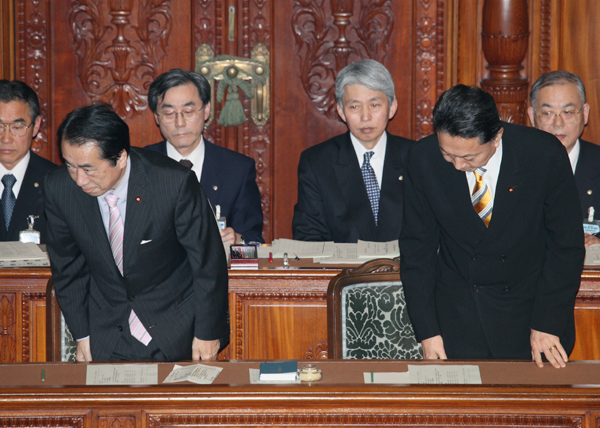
[[8, 197], [371, 183], [186, 163]]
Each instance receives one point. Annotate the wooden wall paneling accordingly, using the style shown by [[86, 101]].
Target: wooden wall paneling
[[579, 40], [7, 39], [465, 57], [312, 40], [34, 327], [10, 339], [34, 62]]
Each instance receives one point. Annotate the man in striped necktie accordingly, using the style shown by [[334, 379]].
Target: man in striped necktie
[[131, 235], [492, 243]]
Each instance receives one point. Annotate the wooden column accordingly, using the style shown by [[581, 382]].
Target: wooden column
[[505, 38]]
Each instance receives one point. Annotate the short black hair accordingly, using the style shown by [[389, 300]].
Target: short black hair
[[19, 91], [173, 78], [98, 124], [467, 112]]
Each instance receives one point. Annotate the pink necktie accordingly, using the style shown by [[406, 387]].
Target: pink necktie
[[115, 236]]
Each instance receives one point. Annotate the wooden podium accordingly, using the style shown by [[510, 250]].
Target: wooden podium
[[275, 314]]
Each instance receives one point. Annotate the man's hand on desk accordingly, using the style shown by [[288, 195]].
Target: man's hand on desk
[[84, 352], [550, 346], [591, 240], [433, 348], [228, 235], [205, 349]]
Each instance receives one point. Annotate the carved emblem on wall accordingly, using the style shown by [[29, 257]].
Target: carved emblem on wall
[[119, 46], [330, 34], [317, 352]]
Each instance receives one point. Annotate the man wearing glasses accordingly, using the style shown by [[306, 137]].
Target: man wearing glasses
[[22, 172], [558, 106], [180, 101]]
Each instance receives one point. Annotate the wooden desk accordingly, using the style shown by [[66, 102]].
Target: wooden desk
[[274, 314], [514, 394]]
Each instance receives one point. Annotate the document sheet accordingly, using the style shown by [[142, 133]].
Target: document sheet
[[122, 374]]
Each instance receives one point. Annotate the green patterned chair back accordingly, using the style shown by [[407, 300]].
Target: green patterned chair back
[[60, 345], [367, 314]]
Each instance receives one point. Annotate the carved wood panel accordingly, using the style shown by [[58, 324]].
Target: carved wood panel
[[119, 46], [34, 346], [43, 421], [368, 418], [8, 327], [120, 421]]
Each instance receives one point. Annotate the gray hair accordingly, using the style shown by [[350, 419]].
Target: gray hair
[[369, 73], [558, 77]]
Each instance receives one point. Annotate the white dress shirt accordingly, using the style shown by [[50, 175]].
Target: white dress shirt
[[121, 193], [574, 155], [378, 157], [491, 175], [196, 157], [18, 171]]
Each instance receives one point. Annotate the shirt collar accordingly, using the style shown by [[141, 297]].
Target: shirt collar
[[196, 157], [574, 155], [121, 190], [378, 150]]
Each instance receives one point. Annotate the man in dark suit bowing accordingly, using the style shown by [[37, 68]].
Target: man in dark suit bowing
[[136, 256], [22, 172], [350, 187], [558, 106], [180, 101], [492, 243]]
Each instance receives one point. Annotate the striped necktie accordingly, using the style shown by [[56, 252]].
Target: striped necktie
[[115, 236], [482, 197]]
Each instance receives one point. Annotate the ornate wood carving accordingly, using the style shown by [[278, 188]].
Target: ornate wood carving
[[33, 31], [256, 140], [117, 63], [204, 28], [545, 38], [317, 352], [428, 45], [8, 327], [331, 34], [43, 421], [505, 39], [370, 418], [116, 422], [27, 298]]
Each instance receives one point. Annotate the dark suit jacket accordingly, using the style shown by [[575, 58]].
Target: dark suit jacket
[[29, 202], [333, 204], [177, 283], [483, 288], [587, 177], [229, 180]]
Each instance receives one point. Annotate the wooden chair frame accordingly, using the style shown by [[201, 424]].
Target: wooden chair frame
[[379, 270]]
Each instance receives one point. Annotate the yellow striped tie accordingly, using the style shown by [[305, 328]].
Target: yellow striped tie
[[482, 198]]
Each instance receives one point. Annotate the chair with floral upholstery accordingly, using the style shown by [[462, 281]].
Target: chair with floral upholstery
[[367, 316]]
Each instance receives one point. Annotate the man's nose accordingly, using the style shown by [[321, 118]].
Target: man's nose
[[179, 120]]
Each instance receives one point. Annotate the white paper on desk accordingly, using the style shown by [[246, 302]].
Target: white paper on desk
[[374, 250], [254, 378], [122, 374], [592, 255], [21, 251], [198, 373], [301, 249], [444, 374], [389, 377], [341, 253]]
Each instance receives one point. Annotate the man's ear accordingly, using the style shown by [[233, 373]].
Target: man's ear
[[340, 111]]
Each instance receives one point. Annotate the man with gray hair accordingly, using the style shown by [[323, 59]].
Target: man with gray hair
[[558, 106], [350, 187]]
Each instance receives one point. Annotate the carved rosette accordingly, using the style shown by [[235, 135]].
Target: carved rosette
[[32, 61], [119, 46], [331, 34], [8, 340], [116, 422]]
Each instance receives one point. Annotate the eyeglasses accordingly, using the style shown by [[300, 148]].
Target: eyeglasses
[[189, 114], [568, 116], [18, 129]]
